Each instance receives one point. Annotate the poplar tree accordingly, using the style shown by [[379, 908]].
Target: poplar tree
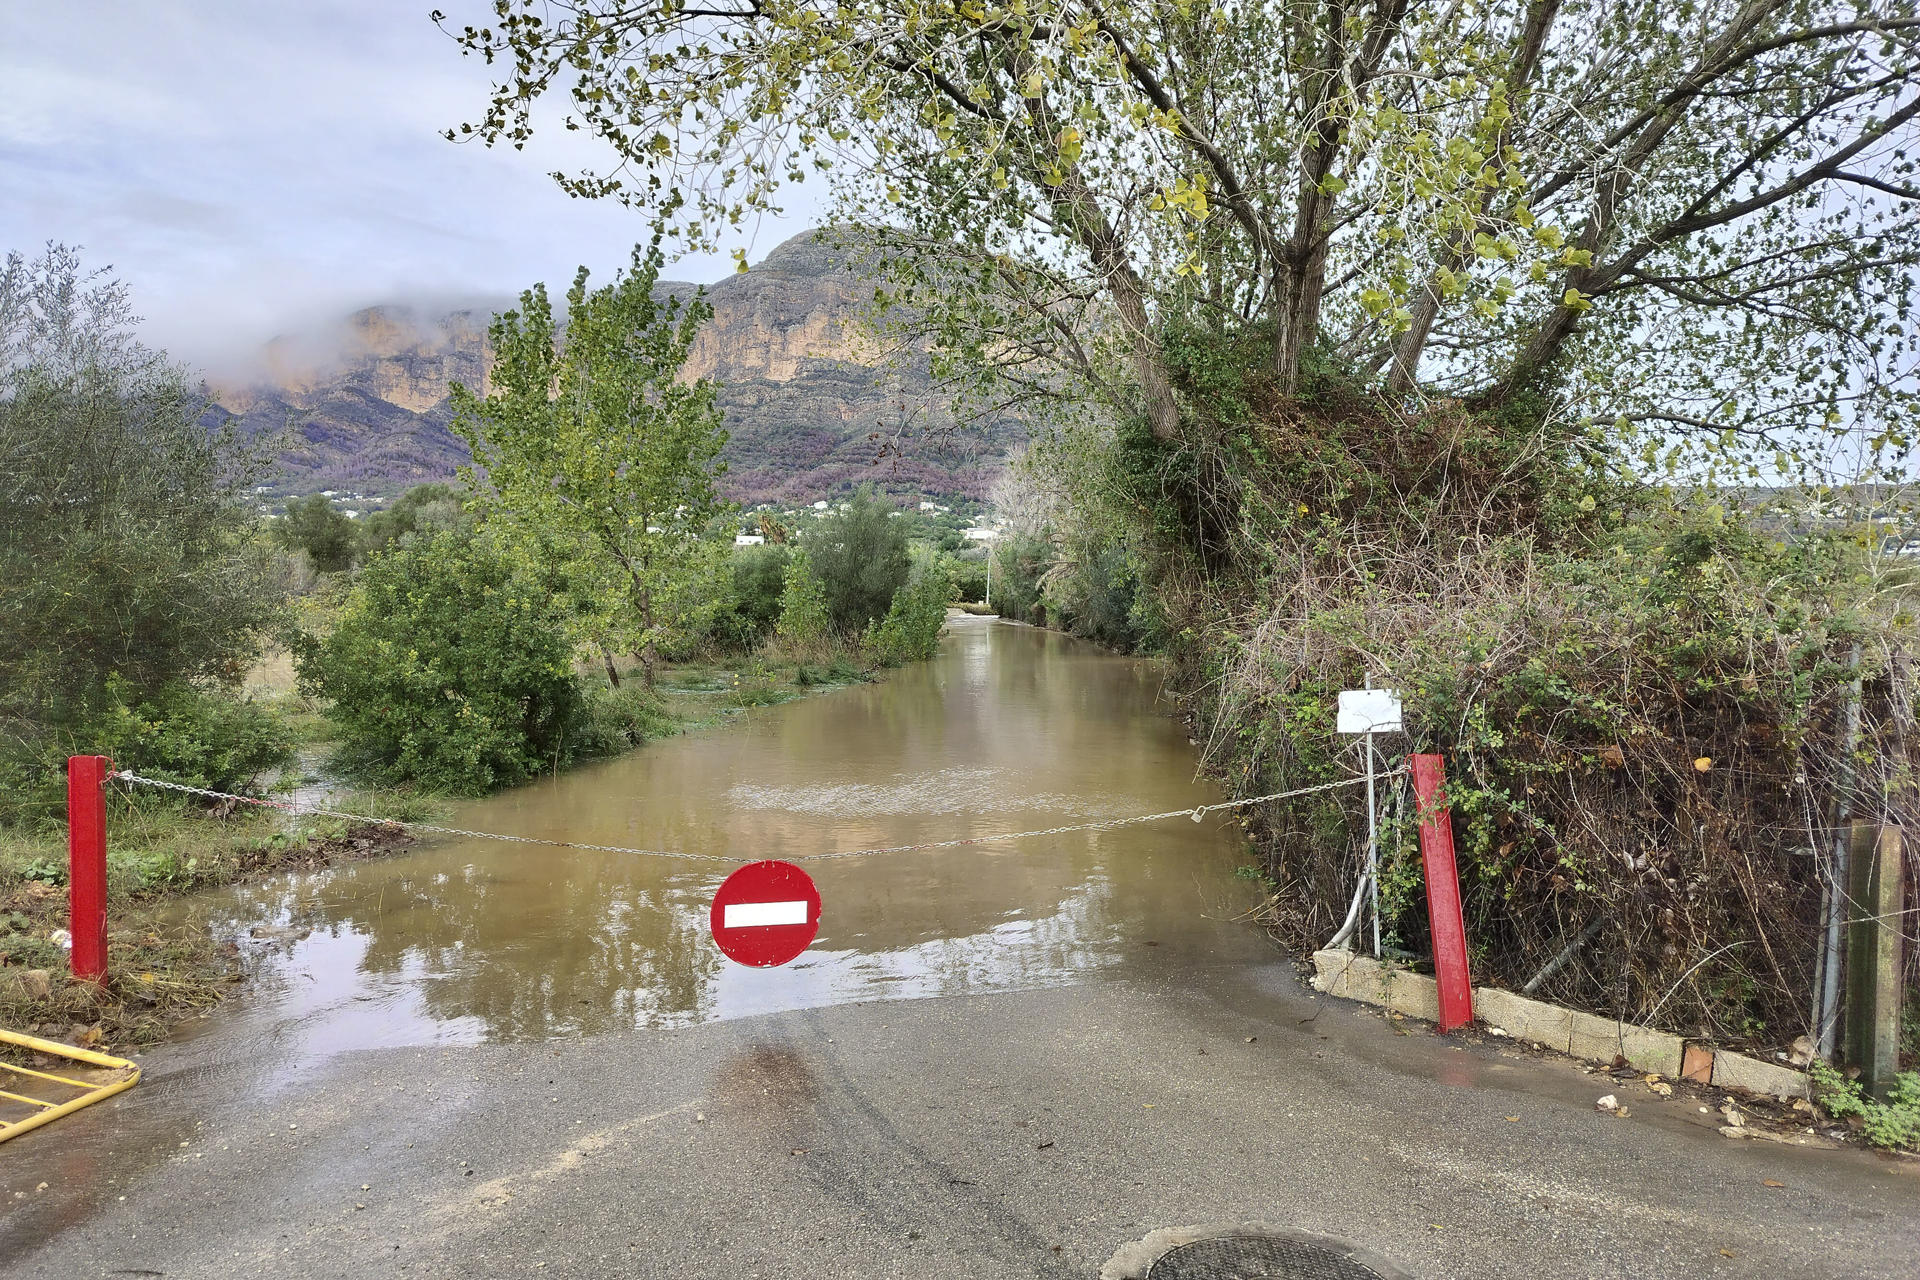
[[601, 459]]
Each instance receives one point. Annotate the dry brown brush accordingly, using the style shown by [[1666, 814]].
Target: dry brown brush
[[1642, 697]]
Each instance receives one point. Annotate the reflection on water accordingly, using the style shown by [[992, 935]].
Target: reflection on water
[[1009, 728]]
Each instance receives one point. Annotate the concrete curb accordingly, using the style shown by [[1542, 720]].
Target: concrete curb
[[1568, 1031]]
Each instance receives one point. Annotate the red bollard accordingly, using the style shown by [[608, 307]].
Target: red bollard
[[1443, 892], [87, 863]]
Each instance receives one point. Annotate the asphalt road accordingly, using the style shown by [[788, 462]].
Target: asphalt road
[[1013, 1134]]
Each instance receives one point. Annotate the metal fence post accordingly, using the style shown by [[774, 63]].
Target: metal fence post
[[87, 864], [1443, 892]]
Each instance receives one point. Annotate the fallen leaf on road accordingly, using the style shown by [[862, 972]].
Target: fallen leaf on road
[[1513, 1119], [1147, 1105], [1726, 1253], [1772, 1183], [1042, 1146]]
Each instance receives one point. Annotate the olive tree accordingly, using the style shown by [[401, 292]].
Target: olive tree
[[1696, 222], [129, 554]]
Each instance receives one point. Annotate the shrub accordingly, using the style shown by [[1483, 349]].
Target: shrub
[[312, 525], [1018, 562], [969, 577], [911, 630], [1894, 1124], [803, 602], [425, 506], [752, 609], [449, 668], [861, 558], [179, 732]]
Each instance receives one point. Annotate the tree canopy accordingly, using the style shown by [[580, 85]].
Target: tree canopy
[[127, 547], [602, 459], [1696, 221]]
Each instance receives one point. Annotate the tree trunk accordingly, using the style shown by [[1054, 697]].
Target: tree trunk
[[606, 656], [649, 653]]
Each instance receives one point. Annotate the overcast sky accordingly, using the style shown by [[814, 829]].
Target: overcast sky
[[255, 168]]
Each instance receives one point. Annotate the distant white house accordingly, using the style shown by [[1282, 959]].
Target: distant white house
[[749, 539], [820, 505], [979, 535], [928, 506]]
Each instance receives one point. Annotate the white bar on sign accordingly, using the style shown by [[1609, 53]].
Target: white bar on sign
[[745, 915]]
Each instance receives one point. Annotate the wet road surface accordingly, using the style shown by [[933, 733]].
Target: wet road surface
[[484, 1059]]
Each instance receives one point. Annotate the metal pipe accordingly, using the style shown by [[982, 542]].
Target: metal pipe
[[1353, 916], [1829, 1017], [1559, 962], [1373, 849]]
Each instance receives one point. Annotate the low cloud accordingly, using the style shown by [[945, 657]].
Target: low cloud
[[258, 170]]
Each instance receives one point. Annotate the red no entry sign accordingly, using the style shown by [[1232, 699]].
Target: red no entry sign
[[766, 914]]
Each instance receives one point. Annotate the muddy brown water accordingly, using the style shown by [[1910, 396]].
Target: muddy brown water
[[1009, 728]]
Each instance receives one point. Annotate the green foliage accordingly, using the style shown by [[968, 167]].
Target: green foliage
[[969, 576], [1894, 1124], [803, 618], [425, 506], [449, 667], [1138, 153], [911, 630], [860, 556], [204, 737], [1019, 560], [186, 734], [753, 606], [603, 461], [313, 525], [129, 566]]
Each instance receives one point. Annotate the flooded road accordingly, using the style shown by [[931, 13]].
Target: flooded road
[[1003, 1060], [1008, 729]]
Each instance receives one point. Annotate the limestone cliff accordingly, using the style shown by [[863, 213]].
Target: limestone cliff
[[366, 407]]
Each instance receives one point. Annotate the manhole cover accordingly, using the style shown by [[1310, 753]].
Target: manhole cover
[[1257, 1258]]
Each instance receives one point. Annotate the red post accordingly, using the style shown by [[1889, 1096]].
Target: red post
[[1443, 892], [87, 863]]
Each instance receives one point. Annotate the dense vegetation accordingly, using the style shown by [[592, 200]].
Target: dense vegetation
[[134, 590], [1409, 342]]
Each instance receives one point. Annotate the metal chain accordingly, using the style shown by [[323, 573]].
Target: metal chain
[[1196, 814]]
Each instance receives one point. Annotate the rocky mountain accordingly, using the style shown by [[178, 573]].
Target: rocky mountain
[[810, 408]]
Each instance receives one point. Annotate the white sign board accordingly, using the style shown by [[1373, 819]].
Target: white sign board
[[1368, 711]]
